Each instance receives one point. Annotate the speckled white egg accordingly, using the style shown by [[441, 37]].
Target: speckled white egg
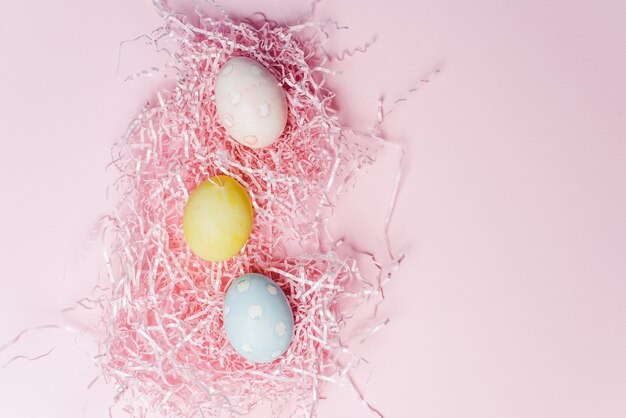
[[250, 103], [257, 318]]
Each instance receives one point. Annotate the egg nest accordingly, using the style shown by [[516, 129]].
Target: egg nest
[[166, 349]]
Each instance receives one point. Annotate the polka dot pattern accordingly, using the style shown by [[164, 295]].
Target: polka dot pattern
[[250, 103], [257, 318]]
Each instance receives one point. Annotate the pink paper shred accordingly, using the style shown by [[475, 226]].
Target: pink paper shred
[[165, 349]]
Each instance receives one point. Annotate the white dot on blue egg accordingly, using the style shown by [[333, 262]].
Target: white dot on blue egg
[[271, 289], [280, 329], [243, 285], [255, 311], [257, 318]]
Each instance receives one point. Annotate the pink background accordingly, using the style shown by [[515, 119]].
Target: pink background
[[512, 214]]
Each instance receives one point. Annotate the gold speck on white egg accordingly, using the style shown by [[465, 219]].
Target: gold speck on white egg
[[226, 310], [276, 354], [271, 289], [246, 347]]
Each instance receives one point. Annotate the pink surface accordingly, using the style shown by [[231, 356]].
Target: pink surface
[[510, 302]]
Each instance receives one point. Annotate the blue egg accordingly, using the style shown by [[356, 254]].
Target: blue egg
[[257, 318]]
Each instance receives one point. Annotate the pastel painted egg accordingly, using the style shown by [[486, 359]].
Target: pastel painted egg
[[250, 103], [217, 218], [257, 318]]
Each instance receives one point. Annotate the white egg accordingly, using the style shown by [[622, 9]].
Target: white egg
[[250, 103]]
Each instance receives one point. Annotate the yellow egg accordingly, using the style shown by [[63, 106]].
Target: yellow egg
[[217, 219]]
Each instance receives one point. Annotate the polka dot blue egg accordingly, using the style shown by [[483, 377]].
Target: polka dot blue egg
[[257, 318]]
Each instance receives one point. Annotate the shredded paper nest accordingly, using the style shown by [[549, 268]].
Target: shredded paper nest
[[166, 349]]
